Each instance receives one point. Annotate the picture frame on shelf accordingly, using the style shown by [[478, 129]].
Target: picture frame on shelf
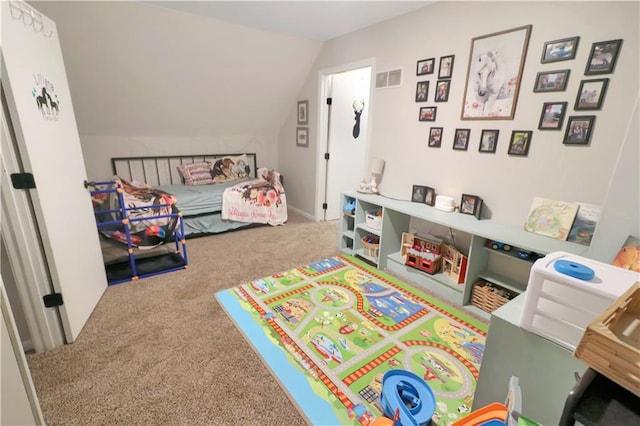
[[489, 140], [425, 66], [579, 130], [303, 113], [461, 139], [422, 91], [603, 57], [560, 50], [551, 81], [428, 113], [591, 94], [520, 142], [484, 97], [471, 204], [435, 137], [430, 197], [552, 115], [445, 70], [442, 91], [302, 137], [418, 193]]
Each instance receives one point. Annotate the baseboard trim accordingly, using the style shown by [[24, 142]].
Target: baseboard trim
[[301, 213], [27, 346]]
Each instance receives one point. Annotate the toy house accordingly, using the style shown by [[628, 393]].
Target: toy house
[[454, 263], [422, 252]]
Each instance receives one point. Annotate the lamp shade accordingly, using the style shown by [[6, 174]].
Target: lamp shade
[[376, 165]]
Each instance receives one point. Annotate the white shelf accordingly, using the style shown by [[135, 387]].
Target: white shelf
[[477, 311], [503, 281], [360, 252], [368, 229]]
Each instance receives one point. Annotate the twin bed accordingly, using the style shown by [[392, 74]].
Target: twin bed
[[248, 197], [167, 199]]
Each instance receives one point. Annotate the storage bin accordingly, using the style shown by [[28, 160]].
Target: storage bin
[[370, 244], [559, 307], [373, 219], [489, 296], [611, 344]]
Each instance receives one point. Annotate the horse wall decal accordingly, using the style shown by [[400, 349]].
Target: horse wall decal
[[490, 77]]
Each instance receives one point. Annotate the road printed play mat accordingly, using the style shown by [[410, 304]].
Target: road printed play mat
[[329, 331]]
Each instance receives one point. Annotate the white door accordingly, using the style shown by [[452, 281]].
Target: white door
[[41, 111], [347, 166]]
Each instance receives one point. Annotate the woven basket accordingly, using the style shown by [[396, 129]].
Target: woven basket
[[611, 346], [489, 297], [371, 249]]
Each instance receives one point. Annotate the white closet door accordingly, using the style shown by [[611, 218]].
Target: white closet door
[[39, 102], [347, 163]]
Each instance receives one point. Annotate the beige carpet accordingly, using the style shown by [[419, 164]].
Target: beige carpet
[[161, 351]]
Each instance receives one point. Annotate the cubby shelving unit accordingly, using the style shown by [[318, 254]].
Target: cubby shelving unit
[[503, 268]]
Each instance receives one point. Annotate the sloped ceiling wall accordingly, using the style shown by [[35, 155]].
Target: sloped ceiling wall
[[143, 75]]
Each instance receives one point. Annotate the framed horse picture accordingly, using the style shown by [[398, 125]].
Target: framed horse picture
[[494, 72]]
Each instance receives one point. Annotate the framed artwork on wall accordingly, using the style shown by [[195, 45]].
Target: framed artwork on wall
[[603, 57], [552, 115], [426, 66], [591, 94], [560, 50], [435, 137], [422, 91], [494, 72], [461, 139], [579, 130], [428, 114], [303, 116], [442, 91], [489, 140], [302, 137], [446, 66], [551, 81], [520, 142]]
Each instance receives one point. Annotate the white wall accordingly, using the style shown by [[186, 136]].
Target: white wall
[[507, 184], [150, 80]]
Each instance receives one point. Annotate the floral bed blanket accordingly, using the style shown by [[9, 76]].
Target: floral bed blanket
[[260, 200]]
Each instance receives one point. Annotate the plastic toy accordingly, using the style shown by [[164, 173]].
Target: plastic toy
[[407, 398], [497, 245], [349, 206], [527, 255]]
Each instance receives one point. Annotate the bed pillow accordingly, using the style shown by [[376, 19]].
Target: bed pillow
[[196, 173], [230, 168]]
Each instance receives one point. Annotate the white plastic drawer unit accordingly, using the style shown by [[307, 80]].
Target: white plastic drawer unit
[[559, 307]]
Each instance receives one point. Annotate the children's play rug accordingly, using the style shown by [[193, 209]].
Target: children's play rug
[[331, 329]]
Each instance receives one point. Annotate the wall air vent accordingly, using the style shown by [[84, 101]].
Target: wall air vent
[[391, 78]]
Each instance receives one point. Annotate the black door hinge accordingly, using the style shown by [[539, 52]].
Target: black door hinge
[[52, 300], [329, 100], [326, 155], [324, 206], [23, 181]]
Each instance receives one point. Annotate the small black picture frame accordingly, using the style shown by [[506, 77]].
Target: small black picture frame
[[422, 91], [445, 70], [428, 113], [488, 140], [435, 137], [603, 57], [442, 91], [591, 94], [430, 197], [461, 139], [551, 81], [579, 130], [560, 50], [552, 115], [520, 142], [471, 204], [425, 66], [418, 193]]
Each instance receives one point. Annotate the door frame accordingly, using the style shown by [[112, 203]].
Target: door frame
[[324, 87]]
